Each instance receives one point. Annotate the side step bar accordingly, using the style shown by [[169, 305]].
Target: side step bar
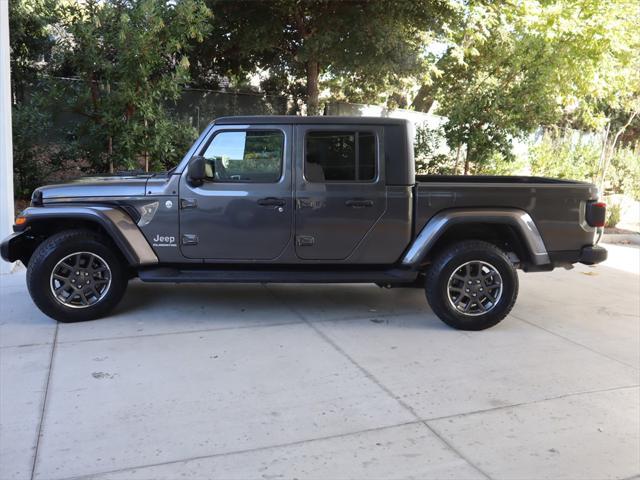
[[175, 275]]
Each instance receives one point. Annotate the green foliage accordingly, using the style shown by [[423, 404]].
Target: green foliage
[[511, 67], [131, 57], [433, 157], [431, 154], [36, 156], [497, 70], [614, 213], [560, 157], [357, 48], [30, 123], [31, 45], [624, 176], [30, 39], [497, 164], [565, 156], [129, 60]]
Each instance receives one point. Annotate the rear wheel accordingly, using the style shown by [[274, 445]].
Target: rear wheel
[[472, 285], [76, 275]]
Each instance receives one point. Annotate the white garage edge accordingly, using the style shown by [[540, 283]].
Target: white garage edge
[[6, 147]]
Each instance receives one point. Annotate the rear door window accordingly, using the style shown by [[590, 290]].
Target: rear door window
[[340, 157]]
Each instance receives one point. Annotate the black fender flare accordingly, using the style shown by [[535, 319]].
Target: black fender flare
[[442, 221], [119, 226]]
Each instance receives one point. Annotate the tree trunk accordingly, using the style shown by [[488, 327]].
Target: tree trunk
[[467, 160], [458, 154], [424, 99], [146, 152], [110, 153], [612, 149], [110, 139], [603, 151], [313, 77]]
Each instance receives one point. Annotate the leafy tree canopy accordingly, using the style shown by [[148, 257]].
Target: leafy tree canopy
[[361, 47], [513, 66], [497, 70], [131, 59], [30, 39]]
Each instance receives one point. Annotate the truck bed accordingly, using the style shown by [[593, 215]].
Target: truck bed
[[491, 179], [556, 206]]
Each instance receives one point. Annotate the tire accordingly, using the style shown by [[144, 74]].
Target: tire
[[70, 255], [462, 305]]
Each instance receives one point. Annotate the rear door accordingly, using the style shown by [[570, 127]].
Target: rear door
[[340, 189], [244, 209]]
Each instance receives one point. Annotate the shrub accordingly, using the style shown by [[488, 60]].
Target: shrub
[[498, 164], [623, 175], [561, 157], [613, 215], [564, 156]]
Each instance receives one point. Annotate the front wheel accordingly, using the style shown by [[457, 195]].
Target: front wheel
[[76, 275], [472, 285]]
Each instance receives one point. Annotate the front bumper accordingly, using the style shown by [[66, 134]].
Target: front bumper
[[593, 254], [15, 246]]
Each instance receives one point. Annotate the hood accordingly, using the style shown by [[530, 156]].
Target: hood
[[111, 186]]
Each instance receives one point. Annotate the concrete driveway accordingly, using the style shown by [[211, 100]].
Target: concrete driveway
[[321, 381]]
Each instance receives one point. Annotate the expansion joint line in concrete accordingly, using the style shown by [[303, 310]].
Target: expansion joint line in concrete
[[44, 402], [330, 437], [377, 382], [567, 339], [202, 330]]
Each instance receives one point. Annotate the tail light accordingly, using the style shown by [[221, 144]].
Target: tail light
[[596, 213]]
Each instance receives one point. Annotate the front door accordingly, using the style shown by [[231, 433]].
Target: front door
[[244, 209], [340, 189]]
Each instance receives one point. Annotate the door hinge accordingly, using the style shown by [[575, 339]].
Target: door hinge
[[190, 239], [188, 203], [305, 240]]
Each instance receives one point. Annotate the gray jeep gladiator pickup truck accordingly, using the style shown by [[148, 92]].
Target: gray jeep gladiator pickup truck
[[303, 199]]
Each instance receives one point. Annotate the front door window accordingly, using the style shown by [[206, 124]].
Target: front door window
[[245, 157]]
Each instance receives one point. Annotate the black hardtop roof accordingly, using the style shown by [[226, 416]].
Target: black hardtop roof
[[313, 120]]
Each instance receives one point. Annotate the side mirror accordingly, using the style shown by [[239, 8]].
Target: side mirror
[[196, 171]]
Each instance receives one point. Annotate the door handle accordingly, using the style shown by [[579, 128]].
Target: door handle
[[272, 202], [313, 203], [190, 239], [188, 203], [358, 203]]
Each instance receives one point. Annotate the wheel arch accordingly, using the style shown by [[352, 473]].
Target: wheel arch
[[510, 229], [114, 223]]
